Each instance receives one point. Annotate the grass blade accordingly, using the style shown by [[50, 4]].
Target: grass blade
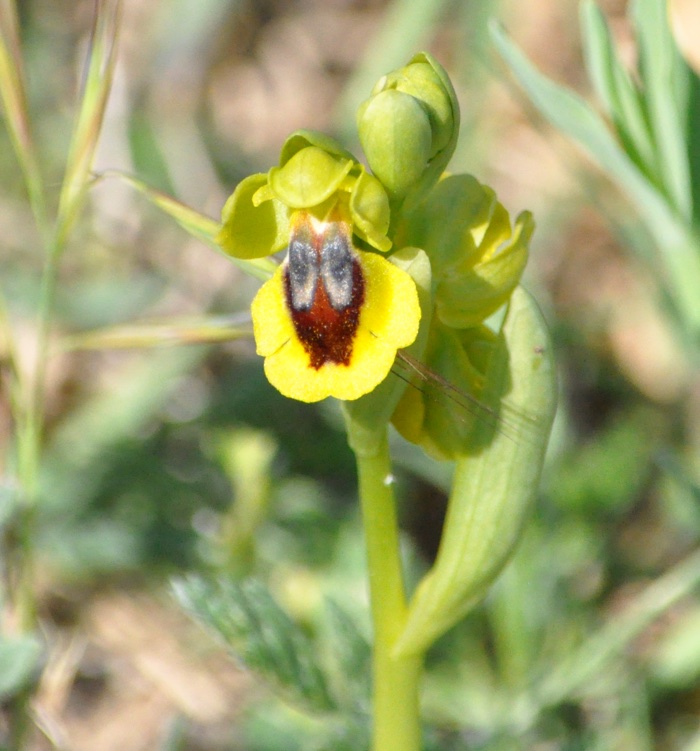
[[618, 94], [14, 102], [574, 117], [198, 225], [665, 79], [160, 334], [97, 84]]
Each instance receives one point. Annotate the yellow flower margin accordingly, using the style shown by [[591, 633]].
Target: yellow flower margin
[[389, 320]]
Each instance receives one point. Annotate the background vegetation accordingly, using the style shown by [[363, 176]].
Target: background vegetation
[[165, 461]]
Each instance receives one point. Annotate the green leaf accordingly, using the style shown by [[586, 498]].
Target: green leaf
[[678, 249], [618, 94], [19, 658], [258, 631], [493, 489], [665, 79], [572, 115]]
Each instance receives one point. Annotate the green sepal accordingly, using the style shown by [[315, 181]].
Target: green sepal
[[300, 139], [366, 418], [428, 82], [308, 178], [446, 117], [249, 230], [468, 294], [477, 258], [370, 211], [493, 489]]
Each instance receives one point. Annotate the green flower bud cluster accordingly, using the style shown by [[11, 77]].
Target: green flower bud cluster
[[449, 233]]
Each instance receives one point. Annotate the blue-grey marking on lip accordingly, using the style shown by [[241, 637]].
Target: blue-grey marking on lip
[[337, 268], [303, 268]]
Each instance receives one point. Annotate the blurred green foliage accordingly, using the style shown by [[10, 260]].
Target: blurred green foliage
[[138, 479]]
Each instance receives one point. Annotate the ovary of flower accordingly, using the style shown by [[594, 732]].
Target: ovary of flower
[[331, 319]]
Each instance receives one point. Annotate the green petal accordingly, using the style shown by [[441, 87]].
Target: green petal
[[250, 231], [300, 139], [369, 207], [309, 178]]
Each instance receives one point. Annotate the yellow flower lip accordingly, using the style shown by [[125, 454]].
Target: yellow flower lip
[[331, 319]]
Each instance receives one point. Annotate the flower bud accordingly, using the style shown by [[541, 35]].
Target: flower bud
[[408, 127], [397, 139]]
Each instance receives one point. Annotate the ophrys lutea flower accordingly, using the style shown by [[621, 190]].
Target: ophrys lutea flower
[[334, 314]]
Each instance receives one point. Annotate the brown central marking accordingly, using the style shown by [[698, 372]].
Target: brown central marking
[[326, 332]]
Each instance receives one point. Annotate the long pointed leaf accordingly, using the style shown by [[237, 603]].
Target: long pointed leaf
[[493, 489], [678, 249], [246, 618], [665, 80], [617, 92]]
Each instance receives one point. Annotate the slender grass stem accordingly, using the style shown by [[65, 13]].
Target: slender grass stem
[[30, 430], [396, 680]]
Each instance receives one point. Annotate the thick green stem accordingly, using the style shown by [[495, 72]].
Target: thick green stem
[[396, 680]]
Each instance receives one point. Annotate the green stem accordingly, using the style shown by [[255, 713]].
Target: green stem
[[396, 679], [30, 428]]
